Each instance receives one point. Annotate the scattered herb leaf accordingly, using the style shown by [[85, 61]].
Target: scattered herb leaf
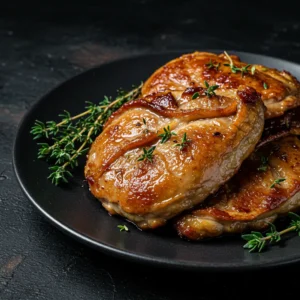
[[184, 142], [195, 95], [123, 228], [264, 164], [147, 154], [277, 181], [235, 69], [210, 90], [166, 135], [211, 65]]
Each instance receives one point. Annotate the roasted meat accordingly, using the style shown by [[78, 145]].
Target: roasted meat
[[288, 124], [280, 91], [266, 186], [147, 185]]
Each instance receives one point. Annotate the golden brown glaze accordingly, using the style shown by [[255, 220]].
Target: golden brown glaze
[[221, 131], [280, 91], [248, 201]]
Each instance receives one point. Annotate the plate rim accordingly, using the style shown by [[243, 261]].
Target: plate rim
[[111, 250]]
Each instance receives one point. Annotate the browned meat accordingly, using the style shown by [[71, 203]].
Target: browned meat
[[266, 186], [220, 133], [280, 90], [281, 126]]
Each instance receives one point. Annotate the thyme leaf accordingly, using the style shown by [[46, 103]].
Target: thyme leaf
[[123, 228], [147, 154], [210, 90], [166, 135], [235, 69], [211, 65], [184, 142], [277, 181]]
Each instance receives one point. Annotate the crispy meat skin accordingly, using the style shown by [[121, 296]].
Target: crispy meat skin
[[288, 124], [190, 70], [247, 201], [222, 133]]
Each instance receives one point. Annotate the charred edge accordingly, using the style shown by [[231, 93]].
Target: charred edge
[[167, 101], [272, 138], [249, 95]]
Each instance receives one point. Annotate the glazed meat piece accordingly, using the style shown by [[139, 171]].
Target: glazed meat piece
[[266, 186], [280, 91], [199, 144]]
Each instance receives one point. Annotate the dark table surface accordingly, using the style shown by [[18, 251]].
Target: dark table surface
[[40, 50]]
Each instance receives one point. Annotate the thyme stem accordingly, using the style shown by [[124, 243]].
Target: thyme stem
[[70, 139]]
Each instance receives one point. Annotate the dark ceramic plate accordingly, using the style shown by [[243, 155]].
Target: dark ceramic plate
[[74, 210]]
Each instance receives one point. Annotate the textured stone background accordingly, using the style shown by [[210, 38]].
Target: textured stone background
[[41, 46]]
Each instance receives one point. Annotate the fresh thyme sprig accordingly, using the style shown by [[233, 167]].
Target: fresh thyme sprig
[[166, 135], [211, 65], [184, 142], [256, 241], [210, 89], [147, 154], [277, 181], [70, 138], [209, 92], [235, 69]]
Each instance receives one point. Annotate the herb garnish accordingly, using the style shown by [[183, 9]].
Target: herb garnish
[[253, 70], [184, 142], [147, 154], [166, 135], [277, 181], [123, 228], [264, 164], [211, 65], [256, 241], [265, 86], [235, 69], [195, 95], [210, 90], [70, 138]]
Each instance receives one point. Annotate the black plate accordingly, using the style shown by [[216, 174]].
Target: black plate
[[74, 210]]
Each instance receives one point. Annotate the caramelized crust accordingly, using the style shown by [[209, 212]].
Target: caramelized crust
[[221, 133], [276, 128], [250, 199], [280, 91]]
